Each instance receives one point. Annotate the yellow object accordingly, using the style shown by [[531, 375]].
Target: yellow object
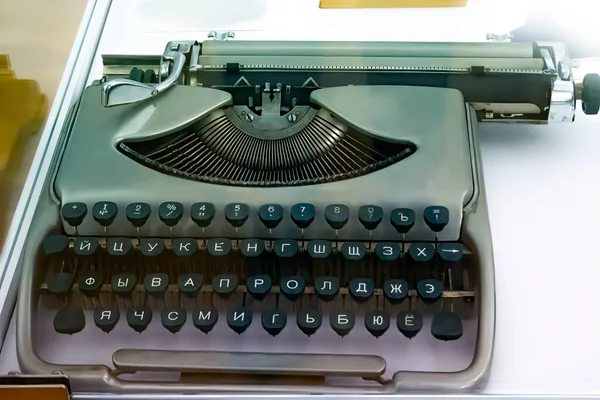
[[392, 3], [22, 110]]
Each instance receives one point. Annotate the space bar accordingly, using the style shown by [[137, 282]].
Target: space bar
[[131, 361]]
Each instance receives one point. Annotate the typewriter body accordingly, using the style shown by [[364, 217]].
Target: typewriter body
[[282, 217]]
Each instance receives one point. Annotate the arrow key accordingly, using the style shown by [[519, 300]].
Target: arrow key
[[451, 252]]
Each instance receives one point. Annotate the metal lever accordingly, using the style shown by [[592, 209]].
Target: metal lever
[[125, 91], [367, 367]]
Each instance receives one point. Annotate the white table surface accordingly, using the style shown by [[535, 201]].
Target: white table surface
[[542, 181]]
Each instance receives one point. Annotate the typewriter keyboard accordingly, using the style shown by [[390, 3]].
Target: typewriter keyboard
[[411, 303]]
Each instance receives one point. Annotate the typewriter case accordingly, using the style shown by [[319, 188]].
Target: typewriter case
[[104, 156]]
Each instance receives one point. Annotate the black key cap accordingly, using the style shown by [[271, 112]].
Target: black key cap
[[90, 283], [55, 244], [377, 322], [156, 284], [190, 284], [409, 323], [430, 290], [205, 319], [239, 319], [123, 284], [170, 213], [446, 325], [450, 252], [225, 285], [342, 322], [85, 246], [139, 318], [319, 248], [327, 287], [395, 290], [292, 287], [353, 251], [421, 252], [309, 322], [69, 320], [218, 247], [173, 319], [285, 248], [252, 247], [258, 286], [74, 213], [138, 213], [402, 219], [361, 289], [118, 246], [436, 217], [237, 214], [185, 247], [60, 283], [152, 247], [388, 251], [337, 215], [105, 212], [273, 321], [270, 215], [202, 214], [303, 214], [107, 318], [370, 216]]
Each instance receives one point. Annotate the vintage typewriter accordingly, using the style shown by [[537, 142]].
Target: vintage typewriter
[[291, 217]]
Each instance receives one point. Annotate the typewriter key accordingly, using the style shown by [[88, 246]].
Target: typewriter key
[[202, 214], [123, 284], [395, 290], [252, 247], [225, 285], [292, 287], [239, 319], [90, 283], [118, 246], [55, 244], [156, 284], [361, 289], [342, 322], [436, 217], [60, 283], [446, 325], [409, 323], [170, 213], [421, 252], [184, 247], [377, 322], [273, 321], [450, 252], [152, 247], [137, 214], [430, 290], [402, 219], [258, 286], [74, 213], [107, 318], [219, 247], [190, 284], [303, 215], [205, 319], [105, 213], [353, 251], [237, 214], [337, 215], [271, 215], [327, 287], [69, 320], [370, 216], [139, 318], [173, 319], [285, 248], [388, 251], [309, 322], [85, 246], [319, 248]]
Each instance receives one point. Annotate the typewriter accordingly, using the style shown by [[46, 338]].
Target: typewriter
[[291, 217]]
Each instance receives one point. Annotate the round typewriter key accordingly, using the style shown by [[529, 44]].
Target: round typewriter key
[[327, 287], [225, 285], [370, 216], [292, 287], [303, 215], [123, 284], [388, 251], [239, 319], [395, 290], [90, 283], [173, 319], [139, 318], [149, 76], [136, 74], [342, 322], [337, 215], [118, 246], [69, 320], [156, 284], [309, 322], [107, 318], [85, 246], [402, 219], [319, 248], [446, 325], [409, 323], [361, 289], [273, 321], [436, 217], [421, 252], [105, 212], [60, 283], [237, 214], [285, 248], [74, 213], [137, 214], [202, 214], [377, 322], [450, 252], [170, 213], [190, 284], [205, 319], [271, 215], [430, 290], [258, 286], [55, 244]]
